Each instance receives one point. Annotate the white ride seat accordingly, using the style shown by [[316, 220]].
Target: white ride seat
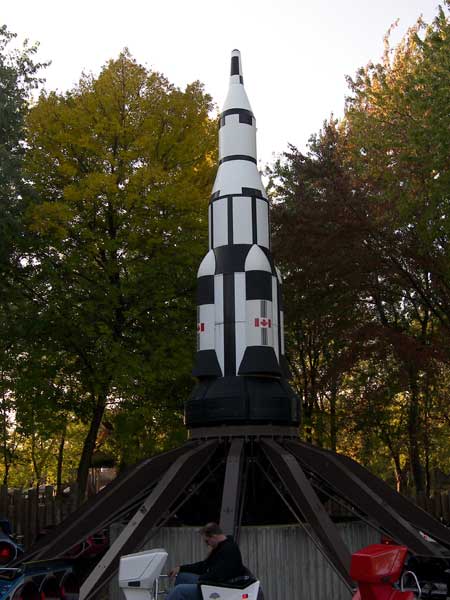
[[247, 589], [139, 572]]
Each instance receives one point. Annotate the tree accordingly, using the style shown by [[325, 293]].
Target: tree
[[362, 238], [19, 76], [120, 167], [399, 153], [396, 119], [318, 244]]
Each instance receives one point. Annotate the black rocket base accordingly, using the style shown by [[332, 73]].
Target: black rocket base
[[243, 463]]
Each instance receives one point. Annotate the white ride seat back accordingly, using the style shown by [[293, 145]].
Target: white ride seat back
[[218, 592], [138, 573]]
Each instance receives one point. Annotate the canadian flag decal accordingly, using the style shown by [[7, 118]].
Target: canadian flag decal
[[264, 323], [200, 327]]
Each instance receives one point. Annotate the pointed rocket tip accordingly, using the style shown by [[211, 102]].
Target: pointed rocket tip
[[236, 97], [236, 67]]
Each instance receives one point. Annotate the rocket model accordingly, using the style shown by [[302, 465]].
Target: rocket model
[[240, 361]]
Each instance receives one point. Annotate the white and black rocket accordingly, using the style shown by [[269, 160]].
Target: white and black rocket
[[240, 359]]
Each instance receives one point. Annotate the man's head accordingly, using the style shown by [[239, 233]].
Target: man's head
[[212, 534]]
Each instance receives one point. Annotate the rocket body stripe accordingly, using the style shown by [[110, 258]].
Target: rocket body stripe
[[242, 224], [236, 111], [240, 317], [229, 325], [205, 290], [262, 223], [218, 313], [254, 222], [237, 157], [275, 317], [249, 192], [220, 222], [282, 332], [211, 225], [206, 327], [230, 227], [258, 285]]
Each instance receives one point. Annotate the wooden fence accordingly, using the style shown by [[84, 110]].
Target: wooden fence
[[32, 513], [438, 505]]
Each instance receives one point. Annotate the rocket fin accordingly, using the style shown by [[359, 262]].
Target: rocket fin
[[206, 364], [259, 360]]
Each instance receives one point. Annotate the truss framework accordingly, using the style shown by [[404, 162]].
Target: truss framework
[[148, 495]]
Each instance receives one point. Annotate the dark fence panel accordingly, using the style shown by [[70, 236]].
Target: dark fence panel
[[33, 512]]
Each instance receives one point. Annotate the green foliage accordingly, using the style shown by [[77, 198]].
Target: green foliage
[[397, 122], [121, 167], [110, 230], [362, 237], [18, 78]]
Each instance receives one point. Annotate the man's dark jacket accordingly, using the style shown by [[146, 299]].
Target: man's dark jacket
[[222, 564]]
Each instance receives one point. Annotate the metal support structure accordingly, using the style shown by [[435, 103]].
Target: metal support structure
[[306, 500], [243, 492], [170, 487], [298, 518], [156, 488], [412, 513], [40, 547], [229, 511], [348, 485], [93, 516], [276, 489]]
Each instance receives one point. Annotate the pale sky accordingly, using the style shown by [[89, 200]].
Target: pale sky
[[295, 53]]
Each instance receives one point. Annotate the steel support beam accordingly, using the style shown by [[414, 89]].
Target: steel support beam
[[409, 511], [168, 490], [97, 513], [229, 511], [297, 485], [327, 467], [88, 505]]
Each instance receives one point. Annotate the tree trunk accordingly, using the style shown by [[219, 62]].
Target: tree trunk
[[414, 428], [427, 437], [89, 447], [4, 428], [307, 421], [59, 466], [333, 417], [401, 480], [6, 472], [319, 427]]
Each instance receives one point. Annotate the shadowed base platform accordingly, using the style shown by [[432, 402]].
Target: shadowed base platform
[[249, 475]]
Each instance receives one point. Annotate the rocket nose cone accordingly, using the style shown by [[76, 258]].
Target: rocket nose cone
[[236, 97], [236, 67]]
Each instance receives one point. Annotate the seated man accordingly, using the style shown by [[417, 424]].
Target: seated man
[[224, 562]]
